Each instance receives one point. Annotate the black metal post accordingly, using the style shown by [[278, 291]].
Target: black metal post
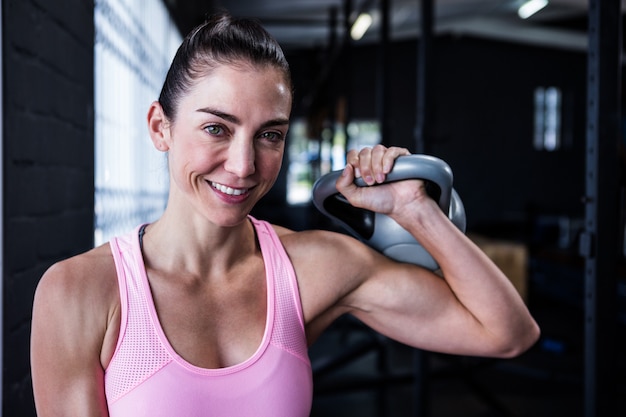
[[346, 57], [424, 47], [383, 74], [600, 241], [424, 43], [387, 139]]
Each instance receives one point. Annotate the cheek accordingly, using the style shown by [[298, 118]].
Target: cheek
[[194, 153], [270, 162], [189, 163]]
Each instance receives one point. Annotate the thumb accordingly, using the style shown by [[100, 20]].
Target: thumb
[[346, 179]]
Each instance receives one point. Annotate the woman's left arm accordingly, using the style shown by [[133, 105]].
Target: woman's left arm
[[473, 309]]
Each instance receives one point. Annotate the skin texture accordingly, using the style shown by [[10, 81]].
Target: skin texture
[[206, 271]]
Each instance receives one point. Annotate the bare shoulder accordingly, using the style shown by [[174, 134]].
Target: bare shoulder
[[311, 239], [84, 282], [330, 267], [75, 324], [79, 269], [322, 248]]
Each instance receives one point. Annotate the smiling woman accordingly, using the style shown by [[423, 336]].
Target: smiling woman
[[229, 131], [209, 311]]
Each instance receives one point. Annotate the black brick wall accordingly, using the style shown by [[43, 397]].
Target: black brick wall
[[48, 120]]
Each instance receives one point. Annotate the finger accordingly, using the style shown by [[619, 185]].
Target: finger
[[346, 179], [346, 186], [352, 158], [377, 163], [365, 165], [390, 157]]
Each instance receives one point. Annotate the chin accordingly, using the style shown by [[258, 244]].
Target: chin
[[233, 220]]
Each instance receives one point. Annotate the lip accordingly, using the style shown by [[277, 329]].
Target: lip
[[228, 193], [225, 189]]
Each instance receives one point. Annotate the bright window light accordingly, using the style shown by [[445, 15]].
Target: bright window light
[[134, 45], [360, 26], [530, 8], [547, 119], [310, 158]]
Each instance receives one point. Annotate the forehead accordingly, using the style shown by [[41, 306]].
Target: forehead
[[241, 83]]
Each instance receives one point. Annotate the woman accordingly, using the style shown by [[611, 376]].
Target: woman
[[208, 311]]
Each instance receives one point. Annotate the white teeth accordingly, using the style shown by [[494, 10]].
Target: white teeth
[[228, 190]]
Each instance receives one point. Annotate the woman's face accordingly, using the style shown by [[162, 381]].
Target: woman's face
[[227, 141]]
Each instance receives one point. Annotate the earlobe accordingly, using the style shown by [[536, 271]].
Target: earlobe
[[158, 127]]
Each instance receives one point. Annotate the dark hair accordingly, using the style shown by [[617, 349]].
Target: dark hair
[[220, 40]]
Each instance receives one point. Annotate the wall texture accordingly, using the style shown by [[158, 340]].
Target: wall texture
[[481, 119], [48, 162]]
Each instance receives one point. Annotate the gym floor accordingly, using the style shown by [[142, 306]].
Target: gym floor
[[545, 381]]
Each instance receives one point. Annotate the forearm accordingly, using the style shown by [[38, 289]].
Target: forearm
[[475, 310], [480, 287]]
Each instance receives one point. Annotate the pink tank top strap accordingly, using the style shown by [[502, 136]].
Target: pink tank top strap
[[139, 335], [289, 320]]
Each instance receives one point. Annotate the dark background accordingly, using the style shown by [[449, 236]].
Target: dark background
[[482, 121]]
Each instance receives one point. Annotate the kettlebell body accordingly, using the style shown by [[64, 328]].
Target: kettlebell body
[[380, 231]]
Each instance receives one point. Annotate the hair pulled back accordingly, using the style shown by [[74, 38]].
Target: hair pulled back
[[220, 40]]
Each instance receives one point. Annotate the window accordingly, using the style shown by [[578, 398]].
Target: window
[[363, 133], [134, 44], [547, 119], [311, 158]]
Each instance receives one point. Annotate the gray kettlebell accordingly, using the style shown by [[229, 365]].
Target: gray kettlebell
[[380, 231]]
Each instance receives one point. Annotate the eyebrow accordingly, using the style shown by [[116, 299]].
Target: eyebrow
[[234, 119]]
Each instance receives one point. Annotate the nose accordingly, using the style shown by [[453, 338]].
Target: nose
[[241, 158]]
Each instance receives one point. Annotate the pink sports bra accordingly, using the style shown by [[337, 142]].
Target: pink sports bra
[[147, 378]]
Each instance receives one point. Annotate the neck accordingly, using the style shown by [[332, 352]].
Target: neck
[[200, 249]]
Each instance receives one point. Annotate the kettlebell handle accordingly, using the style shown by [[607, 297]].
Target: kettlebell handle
[[423, 167], [381, 232]]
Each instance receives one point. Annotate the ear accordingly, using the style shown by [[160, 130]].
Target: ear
[[159, 127]]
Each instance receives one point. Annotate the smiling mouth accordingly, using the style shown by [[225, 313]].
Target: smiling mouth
[[228, 190]]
